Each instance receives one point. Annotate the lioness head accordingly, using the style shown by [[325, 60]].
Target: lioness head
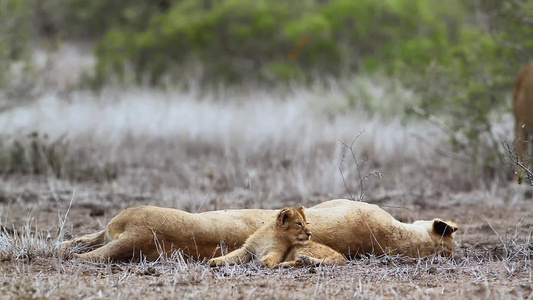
[[442, 233], [293, 224]]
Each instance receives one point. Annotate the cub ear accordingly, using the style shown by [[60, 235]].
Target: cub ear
[[444, 228], [301, 209], [284, 215]]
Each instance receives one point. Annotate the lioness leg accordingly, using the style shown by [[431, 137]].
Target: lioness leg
[[240, 255], [521, 141], [521, 147], [330, 260], [114, 250], [88, 241]]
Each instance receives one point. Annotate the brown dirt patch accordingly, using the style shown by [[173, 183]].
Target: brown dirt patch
[[494, 258]]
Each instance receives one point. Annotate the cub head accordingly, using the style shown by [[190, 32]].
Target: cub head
[[292, 223], [442, 234]]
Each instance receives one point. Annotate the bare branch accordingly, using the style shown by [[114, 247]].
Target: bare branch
[[514, 163], [358, 164], [343, 178]]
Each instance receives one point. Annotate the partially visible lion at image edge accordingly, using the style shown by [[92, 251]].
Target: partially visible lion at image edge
[[349, 227], [523, 113]]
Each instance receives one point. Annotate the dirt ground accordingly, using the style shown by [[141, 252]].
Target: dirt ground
[[199, 151], [494, 258]]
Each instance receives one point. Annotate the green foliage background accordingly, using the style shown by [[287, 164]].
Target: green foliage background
[[284, 40], [459, 56]]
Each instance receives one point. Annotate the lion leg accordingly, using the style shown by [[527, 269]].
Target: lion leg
[[88, 241], [240, 255], [316, 254], [272, 259], [521, 147], [304, 261], [114, 250], [287, 264], [338, 260]]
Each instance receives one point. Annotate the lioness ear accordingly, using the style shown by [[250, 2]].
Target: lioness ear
[[284, 215], [443, 228]]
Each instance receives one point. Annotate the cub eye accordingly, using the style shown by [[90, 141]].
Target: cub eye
[[299, 224]]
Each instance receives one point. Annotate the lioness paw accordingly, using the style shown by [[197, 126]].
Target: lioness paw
[[214, 262]]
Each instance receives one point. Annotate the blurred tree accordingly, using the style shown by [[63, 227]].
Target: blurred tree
[[15, 34], [239, 39], [461, 57]]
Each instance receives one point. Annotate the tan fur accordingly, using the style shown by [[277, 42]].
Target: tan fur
[[281, 242], [349, 227], [523, 113], [312, 253]]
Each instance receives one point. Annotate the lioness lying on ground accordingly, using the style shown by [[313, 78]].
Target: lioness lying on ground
[[284, 241], [349, 227]]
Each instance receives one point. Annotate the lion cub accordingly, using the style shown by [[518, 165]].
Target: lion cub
[[284, 241]]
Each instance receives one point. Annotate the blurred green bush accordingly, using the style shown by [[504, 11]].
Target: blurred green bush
[[459, 56], [280, 40], [15, 34]]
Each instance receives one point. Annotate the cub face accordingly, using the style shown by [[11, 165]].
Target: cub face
[[292, 223]]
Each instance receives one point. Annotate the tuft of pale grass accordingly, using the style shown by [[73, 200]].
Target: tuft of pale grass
[[26, 243], [275, 146], [272, 145], [244, 125]]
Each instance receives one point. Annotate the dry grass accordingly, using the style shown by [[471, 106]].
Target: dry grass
[[31, 268], [199, 150], [276, 147]]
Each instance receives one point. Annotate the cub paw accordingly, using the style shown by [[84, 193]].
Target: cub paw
[[303, 261], [269, 262]]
